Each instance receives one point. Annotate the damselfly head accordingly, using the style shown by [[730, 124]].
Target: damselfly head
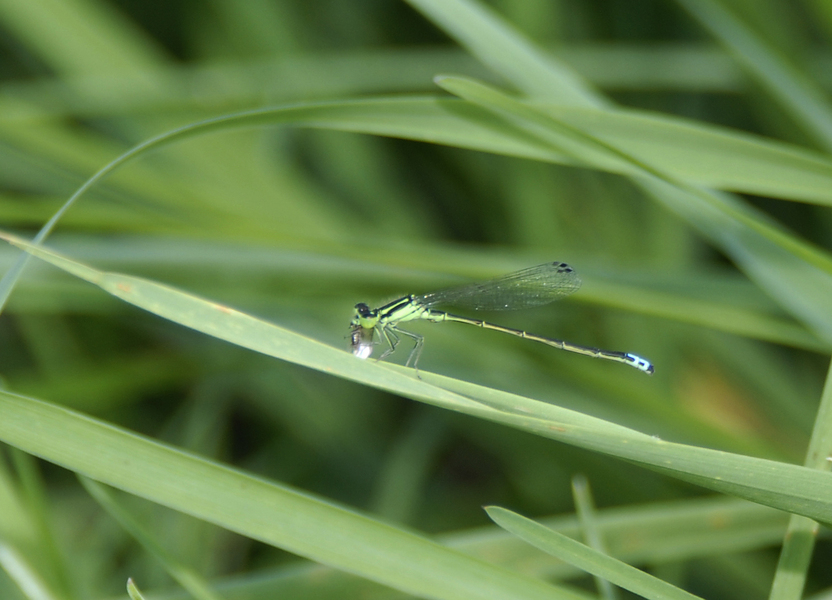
[[364, 316], [362, 310]]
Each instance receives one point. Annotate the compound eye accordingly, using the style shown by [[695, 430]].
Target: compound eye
[[362, 309]]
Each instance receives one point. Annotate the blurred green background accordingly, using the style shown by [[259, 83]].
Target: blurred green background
[[296, 225]]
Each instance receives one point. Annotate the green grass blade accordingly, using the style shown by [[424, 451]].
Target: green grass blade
[[133, 591], [731, 160], [799, 542], [507, 52], [757, 256], [792, 488], [697, 152], [707, 155], [797, 94], [285, 214], [494, 43], [822, 12], [588, 518], [17, 526], [587, 559], [46, 551], [714, 312], [185, 576], [24, 574], [791, 270], [788, 487], [654, 534], [730, 304], [274, 514], [80, 37]]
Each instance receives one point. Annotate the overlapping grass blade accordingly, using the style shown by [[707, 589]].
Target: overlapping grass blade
[[78, 37], [497, 45], [791, 270], [769, 259], [584, 557], [721, 159], [187, 577], [786, 84], [653, 534], [799, 543], [274, 514], [788, 487]]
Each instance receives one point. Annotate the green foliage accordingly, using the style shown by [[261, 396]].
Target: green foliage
[[241, 197]]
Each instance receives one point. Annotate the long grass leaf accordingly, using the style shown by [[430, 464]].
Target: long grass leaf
[[272, 513], [80, 37], [503, 49], [584, 557], [799, 543], [185, 576], [796, 93], [431, 123], [801, 275], [788, 487], [464, 125]]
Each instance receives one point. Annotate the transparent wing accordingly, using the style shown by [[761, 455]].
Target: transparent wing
[[530, 287]]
